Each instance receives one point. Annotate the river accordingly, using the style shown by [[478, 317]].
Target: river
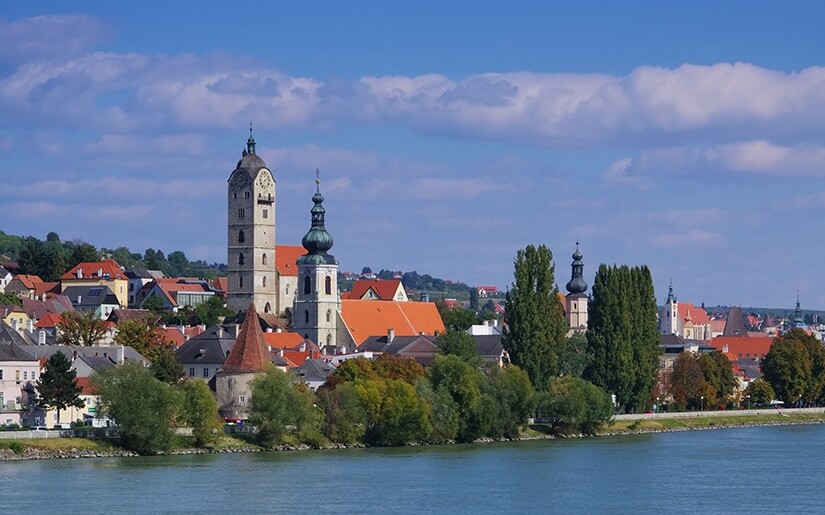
[[745, 470]]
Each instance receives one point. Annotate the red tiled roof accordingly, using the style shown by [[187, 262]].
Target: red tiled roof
[[46, 287], [283, 340], [718, 325], [697, 315], [29, 281], [384, 289], [364, 318], [221, 284], [173, 336], [286, 257], [85, 384], [96, 270], [250, 352], [48, 321], [751, 347]]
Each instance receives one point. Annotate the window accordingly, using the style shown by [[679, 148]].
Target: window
[[242, 399], [241, 237], [25, 375], [306, 316], [245, 194], [267, 308], [264, 281], [235, 195], [329, 339], [1, 374], [307, 285], [240, 258], [240, 282], [329, 314], [266, 213], [241, 213], [205, 372], [192, 372], [287, 289], [263, 259], [328, 285]]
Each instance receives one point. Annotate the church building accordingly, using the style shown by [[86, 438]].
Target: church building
[[575, 308]]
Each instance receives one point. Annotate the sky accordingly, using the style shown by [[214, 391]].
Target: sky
[[685, 136]]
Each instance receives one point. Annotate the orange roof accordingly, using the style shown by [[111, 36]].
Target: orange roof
[[221, 284], [718, 325], [384, 289], [295, 357], [286, 257], [697, 315], [173, 336], [755, 346], [250, 352], [85, 384], [44, 287], [29, 281], [96, 270], [50, 320], [283, 340], [364, 318]]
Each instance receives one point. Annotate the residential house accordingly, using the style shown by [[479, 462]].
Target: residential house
[[315, 372], [137, 278], [93, 298], [17, 318], [204, 354], [101, 273], [486, 291], [489, 327], [177, 293], [5, 278], [24, 285], [421, 348], [360, 320], [19, 371], [490, 349], [377, 289]]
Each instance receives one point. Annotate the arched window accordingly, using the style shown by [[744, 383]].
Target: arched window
[[263, 259], [307, 285], [287, 288], [329, 339], [306, 316], [240, 282], [267, 308], [241, 238], [328, 285], [264, 282], [329, 314], [240, 258]]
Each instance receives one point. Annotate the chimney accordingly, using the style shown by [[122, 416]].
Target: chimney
[[30, 328], [281, 352], [279, 330], [390, 334], [220, 331], [182, 330], [120, 354], [79, 298], [724, 349], [100, 272], [80, 273], [269, 329], [41, 337]]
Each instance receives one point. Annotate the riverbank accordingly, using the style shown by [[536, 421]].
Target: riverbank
[[67, 448]]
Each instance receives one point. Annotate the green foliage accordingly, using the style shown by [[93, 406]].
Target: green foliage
[[474, 299], [7, 299], [535, 327], [165, 366], [140, 334], [76, 328], [396, 414], [200, 412], [154, 304], [463, 382], [575, 355], [345, 416], [718, 374], [57, 386], [456, 318], [386, 366], [142, 407], [459, 343], [443, 411], [760, 391], [212, 311], [688, 385], [572, 405], [793, 367], [622, 334], [515, 397], [279, 406]]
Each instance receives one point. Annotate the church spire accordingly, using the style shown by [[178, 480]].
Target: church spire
[[250, 143], [577, 283], [798, 320], [671, 298], [317, 241]]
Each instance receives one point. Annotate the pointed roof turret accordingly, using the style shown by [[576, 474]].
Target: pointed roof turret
[[671, 298], [317, 241], [798, 319], [577, 284], [250, 352], [250, 142]]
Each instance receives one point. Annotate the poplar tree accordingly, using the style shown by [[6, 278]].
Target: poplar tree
[[622, 334], [535, 329]]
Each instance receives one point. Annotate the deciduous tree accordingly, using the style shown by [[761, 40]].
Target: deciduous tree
[[788, 367], [458, 343], [278, 406], [200, 411], [76, 328]]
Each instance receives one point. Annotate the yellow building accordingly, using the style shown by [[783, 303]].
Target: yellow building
[[107, 273]]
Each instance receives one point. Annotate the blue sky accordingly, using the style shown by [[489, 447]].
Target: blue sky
[[449, 134]]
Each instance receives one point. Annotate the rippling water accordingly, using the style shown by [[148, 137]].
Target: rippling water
[[751, 470]]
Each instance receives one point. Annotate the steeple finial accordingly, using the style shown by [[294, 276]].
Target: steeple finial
[[317, 180], [250, 143], [671, 298]]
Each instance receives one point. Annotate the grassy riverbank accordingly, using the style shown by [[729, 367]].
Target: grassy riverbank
[[712, 422]]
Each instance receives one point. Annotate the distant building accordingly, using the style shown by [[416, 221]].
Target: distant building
[[684, 319], [102, 273], [575, 303]]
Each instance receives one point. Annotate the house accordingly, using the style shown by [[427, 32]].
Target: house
[[19, 371], [99, 273], [753, 347], [204, 354], [363, 319], [137, 278], [24, 285], [314, 372], [16, 318], [377, 289], [486, 291], [421, 348], [121, 315], [5, 278], [489, 327], [490, 349], [93, 298], [177, 293]]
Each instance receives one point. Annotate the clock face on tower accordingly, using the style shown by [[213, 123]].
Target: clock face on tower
[[240, 180], [264, 179]]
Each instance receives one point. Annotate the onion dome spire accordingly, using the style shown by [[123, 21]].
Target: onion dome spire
[[317, 241], [671, 298], [577, 284]]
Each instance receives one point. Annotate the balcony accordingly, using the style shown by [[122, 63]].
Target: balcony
[[266, 199]]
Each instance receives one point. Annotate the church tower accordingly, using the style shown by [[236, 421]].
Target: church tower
[[576, 300], [317, 303], [669, 319], [251, 234]]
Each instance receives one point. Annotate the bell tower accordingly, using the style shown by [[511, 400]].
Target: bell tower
[[251, 234], [576, 299]]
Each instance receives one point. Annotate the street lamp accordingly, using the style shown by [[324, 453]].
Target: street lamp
[[702, 403], [658, 404], [749, 401]]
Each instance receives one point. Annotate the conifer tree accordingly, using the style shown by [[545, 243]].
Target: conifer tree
[[535, 327], [57, 386]]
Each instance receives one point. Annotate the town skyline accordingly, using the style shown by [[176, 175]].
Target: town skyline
[[652, 135]]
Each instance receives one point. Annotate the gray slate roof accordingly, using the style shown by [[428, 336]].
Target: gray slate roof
[[45, 351], [398, 344], [315, 370], [91, 296], [9, 335], [209, 347], [488, 345], [11, 348]]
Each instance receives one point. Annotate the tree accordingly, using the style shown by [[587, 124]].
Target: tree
[[718, 374], [572, 404], [474, 299], [345, 417], [535, 327], [200, 411], [512, 389], [140, 334], [575, 355], [278, 406], [84, 253], [443, 411], [154, 304], [458, 343], [165, 366], [687, 381], [80, 328], [457, 318], [212, 311], [622, 335], [57, 386], [10, 299], [788, 367], [142, 407], [463, 382], [396, 415], [760, 392]]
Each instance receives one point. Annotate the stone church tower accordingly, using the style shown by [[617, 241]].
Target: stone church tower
[[576, 300], [669, 318], [317, 304], [251, 271]]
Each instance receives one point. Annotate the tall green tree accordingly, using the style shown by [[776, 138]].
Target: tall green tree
[[789, 366], [535, 328], [622, 334], [458, 343], [57, 386], [143, 408], [279, 406], [200, 411], [80, 328], [760, 392]]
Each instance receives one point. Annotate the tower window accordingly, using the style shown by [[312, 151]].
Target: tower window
[[245, 194], [263, 259], [241, 237], [240, 282], [287, 289], [266, 213], [235, 195], [241, 213], [240, 258], [307, 285], [306, 316], [328, 285], [267, 308], [264, 282], [329, 314]]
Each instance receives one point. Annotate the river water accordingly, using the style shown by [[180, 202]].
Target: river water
[[748, 470]]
